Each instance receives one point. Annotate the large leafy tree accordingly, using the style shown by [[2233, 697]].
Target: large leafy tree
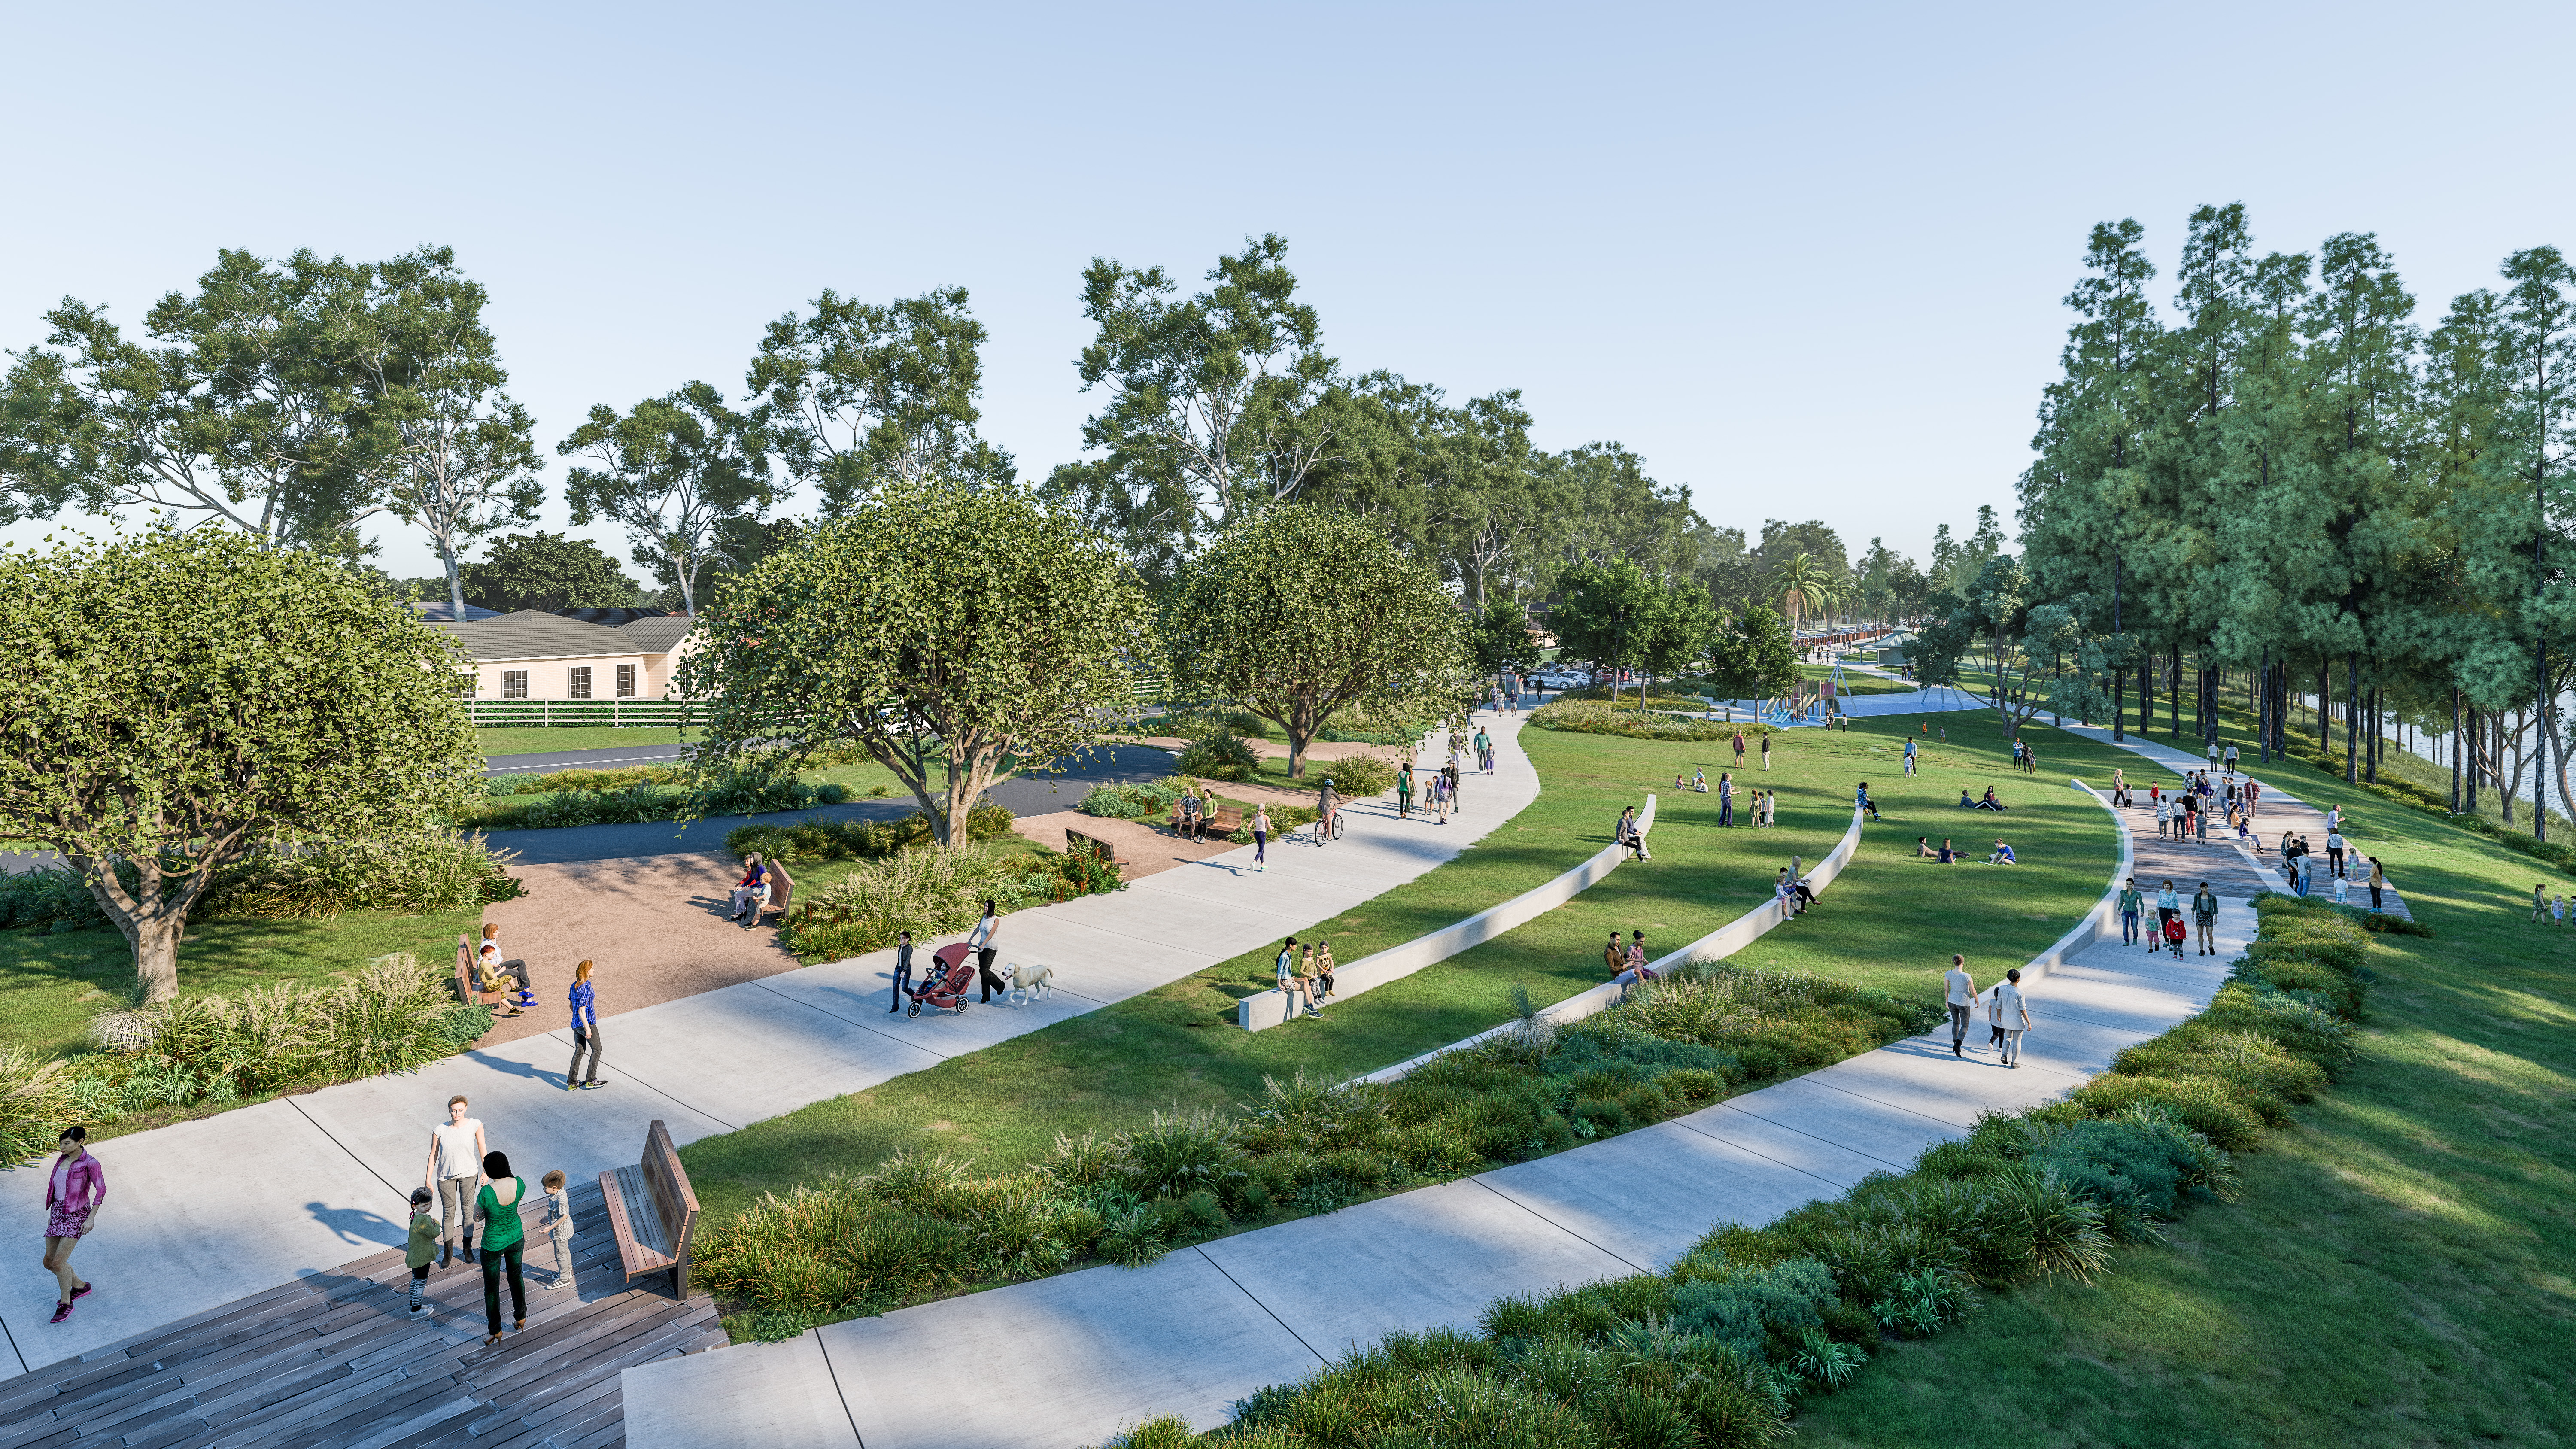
[[1301, 611], [1605, 613], [253, 403], [854, 393], [1216, 404], [547, 571], [1752, 655], [675, 472], [961, 631], [1500, 635], [172, 701], [463, 460]]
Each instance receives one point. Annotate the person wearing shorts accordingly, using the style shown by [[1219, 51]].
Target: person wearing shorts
[[2204, 913], [74, 1190]]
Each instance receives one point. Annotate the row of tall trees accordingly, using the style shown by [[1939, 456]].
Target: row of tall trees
[[2288, 484]]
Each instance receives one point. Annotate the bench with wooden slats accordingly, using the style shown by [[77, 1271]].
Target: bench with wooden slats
[[652, 1211]]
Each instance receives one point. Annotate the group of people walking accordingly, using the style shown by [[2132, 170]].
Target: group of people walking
[[471, 1206], [2168, 933], [2006, 1012]]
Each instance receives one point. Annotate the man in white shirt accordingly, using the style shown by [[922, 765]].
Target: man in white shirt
[[454, 1171], [1959, 989]]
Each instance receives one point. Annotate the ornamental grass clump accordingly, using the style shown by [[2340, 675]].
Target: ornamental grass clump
[[433, 872]]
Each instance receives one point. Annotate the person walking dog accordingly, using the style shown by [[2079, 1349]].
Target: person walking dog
[[585, 1030], [74, 1191], [504, 1245], [455, 1162], [981, 943]]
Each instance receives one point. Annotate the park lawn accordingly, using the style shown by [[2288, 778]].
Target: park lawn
[[2397, 1271], [534, 740], [1176, 1047]]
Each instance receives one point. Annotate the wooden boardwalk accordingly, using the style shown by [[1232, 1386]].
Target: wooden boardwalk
[[334, 1361]]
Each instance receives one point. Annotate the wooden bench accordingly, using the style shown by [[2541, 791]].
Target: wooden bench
[[1077, 843], [469, 989], [652, 1211], [780, 888], [1221, 825]]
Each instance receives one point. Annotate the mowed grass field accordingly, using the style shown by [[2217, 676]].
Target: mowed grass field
[[2401, 1269], [1891, 921]]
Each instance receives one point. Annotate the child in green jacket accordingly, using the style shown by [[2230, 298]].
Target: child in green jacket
[[423, 1247]]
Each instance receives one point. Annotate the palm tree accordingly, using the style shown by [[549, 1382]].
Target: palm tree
[[1800, 583]]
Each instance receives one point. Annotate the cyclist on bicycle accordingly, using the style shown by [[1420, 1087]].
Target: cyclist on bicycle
[[1325, 805]]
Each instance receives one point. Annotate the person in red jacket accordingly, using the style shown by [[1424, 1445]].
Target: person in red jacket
[[73, 1192]]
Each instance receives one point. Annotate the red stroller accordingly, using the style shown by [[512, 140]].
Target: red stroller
[[946, 989]]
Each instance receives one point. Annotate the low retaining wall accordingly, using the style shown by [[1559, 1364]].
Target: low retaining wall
[[1723, 942], [2103, 921], [1264, 1010]]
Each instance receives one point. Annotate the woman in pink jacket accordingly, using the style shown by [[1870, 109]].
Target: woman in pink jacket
[[73, 1192]]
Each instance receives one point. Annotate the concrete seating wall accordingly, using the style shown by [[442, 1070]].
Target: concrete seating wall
[[1264, 1010]]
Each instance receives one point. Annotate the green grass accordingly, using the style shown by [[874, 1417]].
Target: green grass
[[2397, 1271], [532, 740], [1890, 922], [45, 978]]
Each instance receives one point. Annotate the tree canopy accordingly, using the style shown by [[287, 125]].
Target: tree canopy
[[173, 700], [1300, 612], [961, 632], [547, 571]]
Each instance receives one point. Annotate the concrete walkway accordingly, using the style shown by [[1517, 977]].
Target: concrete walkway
[[202, 1213], [1082, 1355]]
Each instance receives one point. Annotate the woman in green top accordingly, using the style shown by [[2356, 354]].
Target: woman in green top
[[496, 1206], [2130, 906]]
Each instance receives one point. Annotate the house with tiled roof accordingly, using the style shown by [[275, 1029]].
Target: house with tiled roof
[[602, 654]]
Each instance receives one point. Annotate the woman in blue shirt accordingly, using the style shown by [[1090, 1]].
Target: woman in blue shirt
[[585, 1031]]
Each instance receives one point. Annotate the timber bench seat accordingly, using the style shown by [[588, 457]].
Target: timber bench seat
[[1221, 824], [1077, 843], [652, 1211]]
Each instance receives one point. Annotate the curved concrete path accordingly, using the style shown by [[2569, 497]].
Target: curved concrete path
[[1087, 1353], [202, 1213]]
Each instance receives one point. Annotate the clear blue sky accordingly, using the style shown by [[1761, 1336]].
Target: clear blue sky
[[1807, 261]]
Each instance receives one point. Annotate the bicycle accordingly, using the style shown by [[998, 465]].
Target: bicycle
[[1328, 827]]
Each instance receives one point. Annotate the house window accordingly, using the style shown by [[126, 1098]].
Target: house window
[[581, 681], [625, 681], [514, 684]]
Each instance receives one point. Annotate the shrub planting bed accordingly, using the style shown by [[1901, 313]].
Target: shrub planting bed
[[1721, 1349], [1586, 717], [390, 1015], [921, 1226], [420, 875]]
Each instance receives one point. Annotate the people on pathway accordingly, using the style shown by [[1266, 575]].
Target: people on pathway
[[420, 1245], [456, 1149], [2119, 788], [1959, 989], [2168, 910], [557, 1221], [2015, 1014], [496, 1207], [1327, 804], [585, 1031], [1439, 797], [1260, 837], [2204, 913], [1725, 799], [2378, 881], [902, 970], [982, 941], [1404, 791], [2334, 853], [2130, 905], [74, 1190]]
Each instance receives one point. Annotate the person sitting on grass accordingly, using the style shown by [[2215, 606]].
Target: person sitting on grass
[[2003, 855], [1966, 801], [1949, 856], [1923, 848], [1990, 802]]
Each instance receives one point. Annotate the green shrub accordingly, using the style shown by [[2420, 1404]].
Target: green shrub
[[1578, 716], [1360, 777], [1141, 800], [52, 897], [1247, 724], [432, 873], [1218, 757], [927, 892]]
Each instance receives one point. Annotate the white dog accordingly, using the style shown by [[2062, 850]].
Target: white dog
[[1028, 983]]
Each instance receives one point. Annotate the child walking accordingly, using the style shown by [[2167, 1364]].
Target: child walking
[[556, 1214], [422, 1248]]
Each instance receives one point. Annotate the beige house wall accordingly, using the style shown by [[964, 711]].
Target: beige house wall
[[552, 678]]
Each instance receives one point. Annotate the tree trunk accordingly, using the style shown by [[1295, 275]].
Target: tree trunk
[[2325, 692], [152, 917], [2173, 692], [2260, 690], [2540, 772], [2455, 749], [2467, 750], [2351, 715]]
